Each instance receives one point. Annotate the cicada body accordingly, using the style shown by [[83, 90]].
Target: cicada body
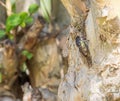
[[83, 48]]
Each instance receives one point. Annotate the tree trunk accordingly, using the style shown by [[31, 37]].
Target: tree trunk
[[93, 48]]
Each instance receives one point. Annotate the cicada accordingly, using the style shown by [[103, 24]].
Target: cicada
[[82, 44]]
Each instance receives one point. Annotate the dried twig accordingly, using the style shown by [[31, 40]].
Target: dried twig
[[8, 10]]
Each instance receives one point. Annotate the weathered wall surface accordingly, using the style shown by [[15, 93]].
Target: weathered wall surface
[[101, 81], [2, 13], [23, 5], [46, 66]]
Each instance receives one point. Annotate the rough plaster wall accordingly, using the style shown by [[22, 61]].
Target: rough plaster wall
[[101, 82], [105, 84], [23, 5], [2, 13]]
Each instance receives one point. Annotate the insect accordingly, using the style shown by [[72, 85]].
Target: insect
[[84, 49]]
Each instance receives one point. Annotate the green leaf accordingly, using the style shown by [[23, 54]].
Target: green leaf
[[0, 77], [23, 24], [26, 19], [1, 66], [12, 21], [12, 1], [11, 36], [24, 67], [46, 9], [33, 8], [47, 5], [27, 54], [29, 20], [13, 7], [2, 33], [8, 28], [1, 73], [23, 15]]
